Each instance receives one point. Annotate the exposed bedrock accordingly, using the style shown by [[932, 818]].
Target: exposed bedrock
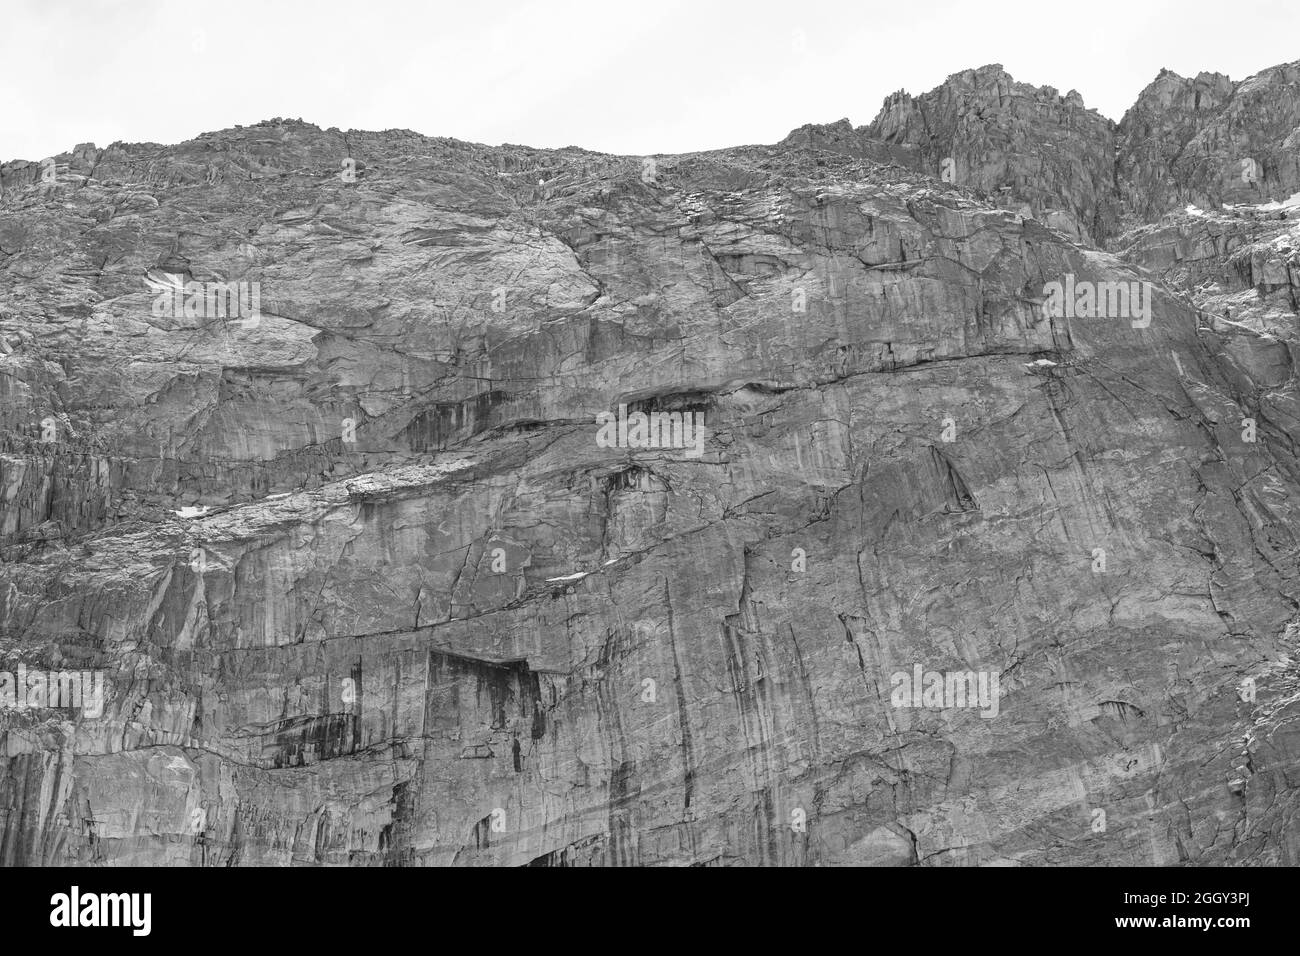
[[366, 588]]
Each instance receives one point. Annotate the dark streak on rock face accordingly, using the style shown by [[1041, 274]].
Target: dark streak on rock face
[[309, 739], [444, 424]]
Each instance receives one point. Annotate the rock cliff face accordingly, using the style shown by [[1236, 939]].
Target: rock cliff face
[[329, 450]]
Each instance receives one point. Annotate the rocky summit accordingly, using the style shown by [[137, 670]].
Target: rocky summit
[[918, 493]]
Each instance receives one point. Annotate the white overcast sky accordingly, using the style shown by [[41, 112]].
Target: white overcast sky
[[651, 76]]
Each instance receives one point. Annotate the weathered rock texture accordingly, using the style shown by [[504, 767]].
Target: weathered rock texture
[[468, 634]]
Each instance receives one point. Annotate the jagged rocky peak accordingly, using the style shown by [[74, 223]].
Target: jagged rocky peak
[[1208, 141], [1027, 148], [1204, 140], [1206, 90], [979, 86], [1154, 132], [1211, 191]]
